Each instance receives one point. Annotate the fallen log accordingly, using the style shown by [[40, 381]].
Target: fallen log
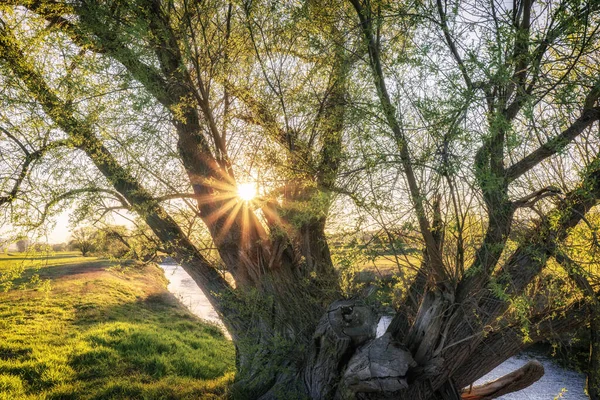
[[515, 381]]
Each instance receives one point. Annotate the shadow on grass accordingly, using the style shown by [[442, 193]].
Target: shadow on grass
[[9, 257], [161, 308], [153, 339], [55, 272], [59, 271]]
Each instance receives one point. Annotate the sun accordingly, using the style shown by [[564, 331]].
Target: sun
[[246, 191]]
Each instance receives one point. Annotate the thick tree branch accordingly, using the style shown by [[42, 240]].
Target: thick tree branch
[[554, 145], [531, 199], [167, 50], [520, 57]]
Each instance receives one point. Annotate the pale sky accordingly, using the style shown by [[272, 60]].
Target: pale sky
[[62, 229]]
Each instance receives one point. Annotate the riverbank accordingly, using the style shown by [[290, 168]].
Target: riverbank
[[85, 328], [188, 293]]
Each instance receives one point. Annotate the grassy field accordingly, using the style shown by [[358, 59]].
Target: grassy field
[[389, 265], [84, 328]]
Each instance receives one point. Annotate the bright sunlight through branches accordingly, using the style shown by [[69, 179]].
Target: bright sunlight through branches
[[247, 191]]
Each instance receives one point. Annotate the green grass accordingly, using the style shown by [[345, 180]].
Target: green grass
[[389, 265], [84, 328]]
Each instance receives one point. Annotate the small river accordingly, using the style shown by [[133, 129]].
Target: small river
[[557, 382], [189, 294]]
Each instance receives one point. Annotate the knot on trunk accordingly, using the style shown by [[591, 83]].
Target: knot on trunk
[[350, 319], [379, 366], [346, 325]]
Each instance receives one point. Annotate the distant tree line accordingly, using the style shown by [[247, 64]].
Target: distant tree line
[[114, 242], [108, 241]]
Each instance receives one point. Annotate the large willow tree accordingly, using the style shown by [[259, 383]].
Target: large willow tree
[[457, 113]]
